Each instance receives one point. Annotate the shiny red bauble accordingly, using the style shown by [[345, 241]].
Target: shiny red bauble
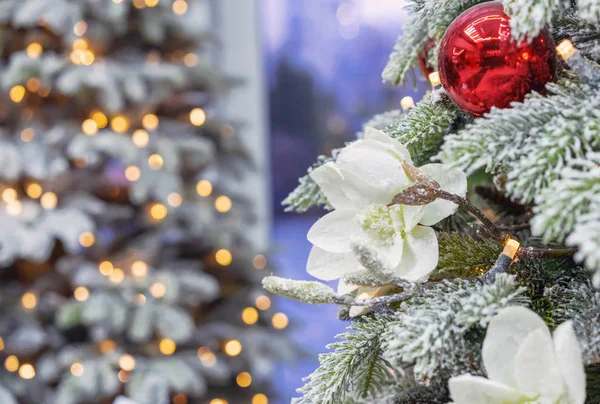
[[481, 66]]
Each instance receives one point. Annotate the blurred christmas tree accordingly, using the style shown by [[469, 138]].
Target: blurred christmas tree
[[126, 268]]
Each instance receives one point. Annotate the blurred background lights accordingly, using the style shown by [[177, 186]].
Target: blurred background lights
[[34, 190], [13, 208], [263, 302], [346, 14], [206, 356], [1, 344], [218, 401], [260, 399], [250, 315], [87, 239], [29, 300], [117, 275], [33, 50], [48, 200], [132, 173], [204, 188], [180, 399], [223, 257], [11, 363], [180, 7], [139, 269], [17, 93], [77, 369], [26, 371], [151, 3], [155, 161], [244, 379], [167, 346], [259, 261], [107, 346], [140, 299], [127, 362], [27, 134], [280, 321], [105, 268], [158, 289], [407, 103], [197, 117], [150, 121], [33, 84], [140, 138], [89, 127], [81, 293], [174, 199], [223, 204], [233, 347], [100, 119], [119, 124], [80, 28], [158, 211], [191, 59], [123, 376], [9, 195]]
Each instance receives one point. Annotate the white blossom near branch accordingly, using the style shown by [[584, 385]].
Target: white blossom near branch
[[525, 364], [361, 186]]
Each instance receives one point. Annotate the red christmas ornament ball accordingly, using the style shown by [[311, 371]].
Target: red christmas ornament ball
[[481, 66]]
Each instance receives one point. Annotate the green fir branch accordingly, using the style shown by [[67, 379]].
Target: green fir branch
[[462, 256]]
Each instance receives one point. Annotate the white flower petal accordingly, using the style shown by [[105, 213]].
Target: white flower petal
[[335, 231], [390, 256], [375, 134], [412, 215], [451, 180], [536, 369], [329, 178], [570, 361], [467, 389], [373, 163], [328, 266], [360, 192], [345, 288], [420, 255], [503, 339]]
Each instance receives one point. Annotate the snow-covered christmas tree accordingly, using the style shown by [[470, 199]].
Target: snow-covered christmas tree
[[126, 265], [465, 232]]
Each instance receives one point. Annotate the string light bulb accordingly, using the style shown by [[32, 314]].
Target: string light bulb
[[197, 116], [434, 79], [140, 138], [81, 293], [206, 356], [180, 7], [100, 118], [29, 300], [139, 269], [80, 28], [34, 190], [191, 59], [119, 124], [106, 268], [218, 401], [49, 200], [17, 93], [127, 362], [158, 289], [244, 379], [150, 121], [1, 344], [263, 302], [174, 199], [87, 239], [34, 50], [116, 276], [89, 127], [33, 84], [9, 195], [11, 363], [27, 134], [280, 321], [259, 261], [76, 369], [151, 3], [27, 371], [223, 257], [107, 346], [223, 204], [132, 173], [260, 399], [180, 398], [566, 50], [407, 103], [167, 346], [204, 188], [155, 161], [249, 315], [233, 347], [14, 208]]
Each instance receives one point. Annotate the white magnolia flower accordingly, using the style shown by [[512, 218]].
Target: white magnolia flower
[[360, 185], [524, 364]]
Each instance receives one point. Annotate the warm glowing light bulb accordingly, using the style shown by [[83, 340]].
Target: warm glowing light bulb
[[34, 190], [280, 321], [259, 261], [566, 50], [116, 276], [77, 369], [158, 211], [158, 289], [29, 300], [206, 356], [150, 121], [107, 346], [27, 134], [14, 208], [1, 344], [87, 58], [9, 195], [123, 376], [191, 59], [11, 363], [263, 302], [17, 93], [81, 293], [33, 50], [155, 161], [151, 3], [87, 239], [140, 138], [167, 346], [180, 7], [139, 269], [223, 257], [139, 4], [407, 103], [89, 127], [140, 299], [250, 315], [204, 188], [100, 119], [197, 117], [119, 124], [233, 347], [223, 204], [132, 173], [127, 362], [33, 84], [26, 371], [218, 401], [434, 79], [174, 199], [180, 399], [80, 28], [80, 44], [260, 399], [105, 268], [244, 379], [49, 200]]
